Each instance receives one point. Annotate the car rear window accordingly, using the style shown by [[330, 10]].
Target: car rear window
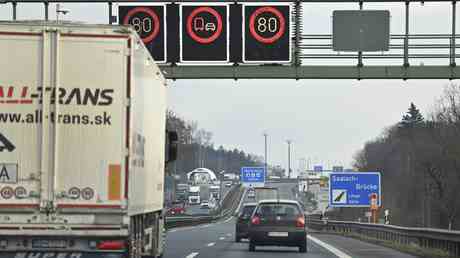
[[247, 210], [278, 209]]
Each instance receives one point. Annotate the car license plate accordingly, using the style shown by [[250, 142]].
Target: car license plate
[[278, 234], [41, 243]]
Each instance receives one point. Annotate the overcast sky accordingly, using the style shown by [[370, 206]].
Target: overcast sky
[[327, 120]]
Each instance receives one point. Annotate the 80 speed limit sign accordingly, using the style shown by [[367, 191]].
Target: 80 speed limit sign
[[266, 33], [149, 21]]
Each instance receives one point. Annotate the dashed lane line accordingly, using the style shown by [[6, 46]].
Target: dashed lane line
[[192, 255], [211, 244], [221, 238]]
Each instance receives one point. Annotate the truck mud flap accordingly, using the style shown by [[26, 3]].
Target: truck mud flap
[[57, 254]]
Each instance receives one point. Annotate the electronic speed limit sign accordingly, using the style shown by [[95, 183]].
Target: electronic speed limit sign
[[204, 33], [149, 21], [266, 33]]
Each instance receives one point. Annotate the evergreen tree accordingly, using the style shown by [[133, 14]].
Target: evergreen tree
[[412, 118]]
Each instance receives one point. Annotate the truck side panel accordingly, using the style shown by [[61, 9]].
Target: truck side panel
[[147, 141]]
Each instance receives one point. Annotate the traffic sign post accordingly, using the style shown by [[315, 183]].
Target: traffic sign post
[[149, 21], [266, 33], [204, 33], [253, 176], [354, 189]]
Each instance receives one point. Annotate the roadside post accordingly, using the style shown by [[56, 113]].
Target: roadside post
[[374, 207]]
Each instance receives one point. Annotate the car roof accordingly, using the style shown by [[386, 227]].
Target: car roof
[[279, 201]]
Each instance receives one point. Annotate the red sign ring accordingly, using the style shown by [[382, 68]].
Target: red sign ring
[[193, 34], [151, 13], [252, 20]]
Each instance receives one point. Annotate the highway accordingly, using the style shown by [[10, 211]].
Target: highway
[[197, 210], [217, 240]]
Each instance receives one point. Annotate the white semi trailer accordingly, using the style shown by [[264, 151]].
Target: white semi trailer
[[82, 143]]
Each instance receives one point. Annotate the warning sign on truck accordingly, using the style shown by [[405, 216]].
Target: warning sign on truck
[[8, 173]]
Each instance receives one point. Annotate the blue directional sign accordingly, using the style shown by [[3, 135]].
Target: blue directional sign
[[354, 189], [253, 176]]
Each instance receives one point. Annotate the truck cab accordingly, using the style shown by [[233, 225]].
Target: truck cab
[[194, 195]]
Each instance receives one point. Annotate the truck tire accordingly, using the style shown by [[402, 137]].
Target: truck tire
[[237, 239], [303, 247], [252, 246]]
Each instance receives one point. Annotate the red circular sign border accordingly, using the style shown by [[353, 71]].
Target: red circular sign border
[[274, 11], [152, 14], [3, 194], [193, 35]]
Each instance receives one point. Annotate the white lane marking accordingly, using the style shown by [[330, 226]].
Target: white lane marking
[[329, 247], [221, 238], [229, 234], [206, 226], [172, 230], [211, 244], [191, 255], [228, 220]]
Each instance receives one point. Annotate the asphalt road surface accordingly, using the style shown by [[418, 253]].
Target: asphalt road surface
[[217, 241]]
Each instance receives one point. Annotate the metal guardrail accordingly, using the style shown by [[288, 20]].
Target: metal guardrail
[[232, 198], [425, 238]]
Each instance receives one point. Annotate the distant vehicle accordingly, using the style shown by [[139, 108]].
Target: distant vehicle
[[278, 222], [214, 191], [176, 210], [205, 193], [228, 184], [242, 221], [230, 176], [194, 195], [274, 178], [251, 194], [181, 192], [266, 193], [205, 205]]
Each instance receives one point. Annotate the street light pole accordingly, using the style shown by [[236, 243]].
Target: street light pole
[[265, 156], [289, 158]]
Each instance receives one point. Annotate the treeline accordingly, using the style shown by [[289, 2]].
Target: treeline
[[196, 149], [419, 159]]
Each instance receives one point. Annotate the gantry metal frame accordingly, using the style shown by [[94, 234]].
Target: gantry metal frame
[[400, 47]]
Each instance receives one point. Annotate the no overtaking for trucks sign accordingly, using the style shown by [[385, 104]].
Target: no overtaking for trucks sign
[[354, 189]]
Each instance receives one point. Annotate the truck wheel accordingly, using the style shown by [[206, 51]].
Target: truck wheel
[[303, 247], [252, 246]]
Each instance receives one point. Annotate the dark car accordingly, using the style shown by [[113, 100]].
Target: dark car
[[279, 223], [241, 227]]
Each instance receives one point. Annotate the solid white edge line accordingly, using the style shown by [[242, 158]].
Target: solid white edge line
[[329, 247], [211, 244], [228, 220], [221, 238], [191, 255]]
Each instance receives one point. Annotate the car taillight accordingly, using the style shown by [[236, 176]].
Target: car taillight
[[300, 222], [111, 245], [255, 220]]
